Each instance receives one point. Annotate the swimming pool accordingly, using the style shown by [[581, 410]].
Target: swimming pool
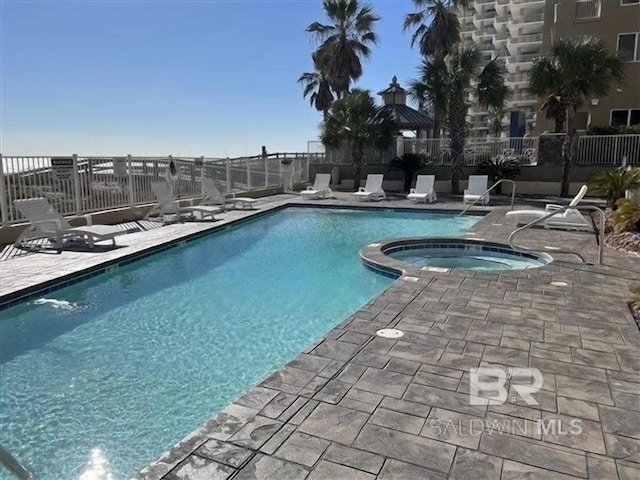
[[113, 370]]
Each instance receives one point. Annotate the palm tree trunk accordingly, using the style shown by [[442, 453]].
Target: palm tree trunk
[[568, 150], [357, 169], [457, 136]]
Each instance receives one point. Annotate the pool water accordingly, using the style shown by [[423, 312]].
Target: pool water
[[468, 260], [100, 377]]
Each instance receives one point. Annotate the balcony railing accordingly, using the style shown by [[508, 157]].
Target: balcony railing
[[524, 58], [532, 38], [586, 9]]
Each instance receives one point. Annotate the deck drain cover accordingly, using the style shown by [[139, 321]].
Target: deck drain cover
[[559, 284], [389, 333]]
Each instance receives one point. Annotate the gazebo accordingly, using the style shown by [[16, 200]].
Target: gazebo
[[408, 119]]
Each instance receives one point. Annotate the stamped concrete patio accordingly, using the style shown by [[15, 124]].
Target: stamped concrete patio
[[357, 406]]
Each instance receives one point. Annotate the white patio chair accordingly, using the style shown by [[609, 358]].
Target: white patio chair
[[570, 219], [476, 190], [320, 188], [212, 196], [46, 222], [168, 205], [372, 189], [424, 189]]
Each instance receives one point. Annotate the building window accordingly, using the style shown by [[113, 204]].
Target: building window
[[586, 9], [625, 117], [629, 47], [630, 2]]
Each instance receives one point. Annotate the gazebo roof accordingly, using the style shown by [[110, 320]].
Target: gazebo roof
[[408, 118]]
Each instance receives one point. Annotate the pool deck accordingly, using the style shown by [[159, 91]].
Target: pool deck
[[357, 406]]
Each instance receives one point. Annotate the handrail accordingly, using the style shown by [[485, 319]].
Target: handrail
[[567, 252], [13, 465], [513, 194]]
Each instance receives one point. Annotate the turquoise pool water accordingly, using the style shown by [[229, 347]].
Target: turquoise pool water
[[104, 375]]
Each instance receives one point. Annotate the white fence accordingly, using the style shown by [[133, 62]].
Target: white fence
[[77, 185], [605, 150]]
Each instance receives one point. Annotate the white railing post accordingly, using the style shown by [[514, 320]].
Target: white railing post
[[76, 184], [248, 174], [280, 172], [266, 172], [4, 207], [132, 199], [227, 165]]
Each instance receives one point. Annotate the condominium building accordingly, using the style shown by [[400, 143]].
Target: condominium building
[[617, 22], [513, 31]]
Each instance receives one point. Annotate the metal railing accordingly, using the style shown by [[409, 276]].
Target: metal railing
[[502, 180], [608, 150], [600, 257], [9, 462], [76, 185]]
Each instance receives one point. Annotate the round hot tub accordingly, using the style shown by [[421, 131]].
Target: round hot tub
[[464, 254], [402, 256]]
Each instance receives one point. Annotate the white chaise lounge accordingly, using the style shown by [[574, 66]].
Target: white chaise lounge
[[212, 196], [168, 205], [372, 189], [477, 189], [46, 222], [424, 189], [570, 219], [320, 187]]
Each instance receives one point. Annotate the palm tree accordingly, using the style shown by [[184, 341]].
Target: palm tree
[[344, 42], [356, 122], [442, 34], [434, 89], [614, 183], [316, 87], [573, 70], [463, 65], [437, 38], [493, 93]]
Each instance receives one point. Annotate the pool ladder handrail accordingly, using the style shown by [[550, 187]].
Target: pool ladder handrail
[[513, 194], [14, 466], [603, 218]]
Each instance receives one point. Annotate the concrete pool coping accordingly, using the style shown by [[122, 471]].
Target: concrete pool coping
[[353, 405]]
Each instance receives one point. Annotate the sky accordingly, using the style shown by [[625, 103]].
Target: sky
[[154, 77]]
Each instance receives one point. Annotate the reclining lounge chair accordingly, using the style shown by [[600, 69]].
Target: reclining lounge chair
[[46, 222]]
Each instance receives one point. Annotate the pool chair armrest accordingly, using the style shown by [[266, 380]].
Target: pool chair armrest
[[412, 190], [310, 187], [361, 189], [551, 207]]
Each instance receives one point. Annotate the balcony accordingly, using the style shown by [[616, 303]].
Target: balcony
[[529, 2], [534, 38], [523, 99], [482, 19], [516, 79], [500, 39], [500, 23], [482, 36]]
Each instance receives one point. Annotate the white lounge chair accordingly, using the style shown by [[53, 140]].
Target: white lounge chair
[[46, 222], [424, 189], [320, 187], [570, 219], [212, 196], [477, 189], [168, 205], [372, 189]]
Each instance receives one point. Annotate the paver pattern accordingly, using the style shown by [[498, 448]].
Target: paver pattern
[[357, 406]]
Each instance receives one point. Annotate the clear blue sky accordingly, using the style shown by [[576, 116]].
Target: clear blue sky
[[212, 78]]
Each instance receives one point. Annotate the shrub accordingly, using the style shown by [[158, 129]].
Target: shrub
[[621, 130], [614, 183], [626, 217], [409, 163], [498, 169]]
